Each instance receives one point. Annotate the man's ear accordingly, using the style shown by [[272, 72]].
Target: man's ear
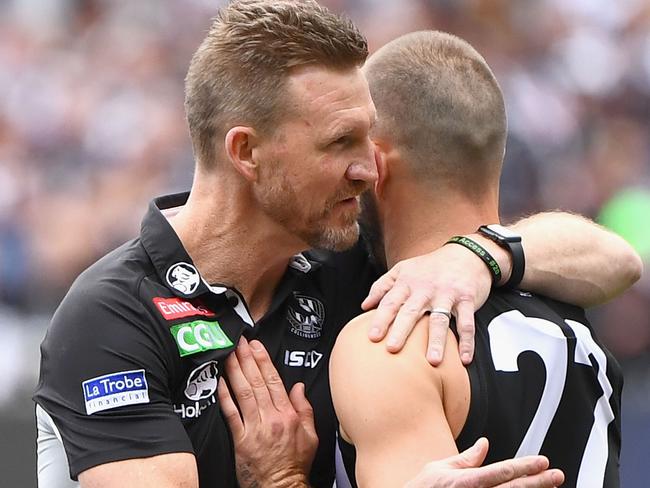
[[239, 144], [381, 150]]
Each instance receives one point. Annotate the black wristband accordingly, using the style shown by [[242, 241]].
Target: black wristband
[[511, 242], [481, 252]]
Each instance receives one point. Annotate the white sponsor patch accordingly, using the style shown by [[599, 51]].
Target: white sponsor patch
[[115, 390]]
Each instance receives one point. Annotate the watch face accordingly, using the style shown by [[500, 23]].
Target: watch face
[[507, 234]]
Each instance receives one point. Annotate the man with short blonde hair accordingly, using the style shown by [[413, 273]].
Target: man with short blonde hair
[[251, 48]]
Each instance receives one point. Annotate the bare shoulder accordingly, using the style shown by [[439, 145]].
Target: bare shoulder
[[356, 330], [356, 358], [352, 345], [370, 387]]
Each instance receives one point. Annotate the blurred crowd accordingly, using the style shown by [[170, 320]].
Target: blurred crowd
[[92, 127]]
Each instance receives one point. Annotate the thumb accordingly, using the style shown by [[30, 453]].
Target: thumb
[[302, 407], [470, 458]]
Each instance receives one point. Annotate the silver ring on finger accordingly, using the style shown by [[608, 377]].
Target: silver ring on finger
[[442, 311]]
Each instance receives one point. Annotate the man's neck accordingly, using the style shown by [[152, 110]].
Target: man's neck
[[416, 222], [232, 244]]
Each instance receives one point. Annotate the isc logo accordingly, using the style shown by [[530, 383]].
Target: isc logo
[[307, 359]]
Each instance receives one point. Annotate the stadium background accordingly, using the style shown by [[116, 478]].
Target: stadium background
[[92, 127]]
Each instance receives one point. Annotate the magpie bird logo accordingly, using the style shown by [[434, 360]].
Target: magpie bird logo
[[306, 316]]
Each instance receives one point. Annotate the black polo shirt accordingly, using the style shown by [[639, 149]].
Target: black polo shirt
[[131, 360]]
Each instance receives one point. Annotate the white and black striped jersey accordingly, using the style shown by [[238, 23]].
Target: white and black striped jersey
[[542, 383]]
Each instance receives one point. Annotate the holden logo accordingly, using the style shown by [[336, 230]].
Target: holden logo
[[183, 277], [306, 317], [202, 382]]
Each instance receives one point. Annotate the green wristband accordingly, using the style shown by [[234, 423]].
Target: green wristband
[[482, 253]]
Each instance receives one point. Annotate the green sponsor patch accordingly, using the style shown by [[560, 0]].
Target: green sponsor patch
[[199, 336]]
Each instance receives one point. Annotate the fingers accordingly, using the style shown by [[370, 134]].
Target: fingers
[[272, 380], [387, 311], [438, 326], [229, 410], [252, 375], [242, 389], [471, 457], [509, 470], [257, 386], [303, 408], [378, 289], [408, 315], [546, 479], [464, 311]]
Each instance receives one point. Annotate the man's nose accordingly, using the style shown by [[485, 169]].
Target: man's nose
[[364, 167]]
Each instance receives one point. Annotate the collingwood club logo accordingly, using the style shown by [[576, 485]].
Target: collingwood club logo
[[306, 316], [183, 277]]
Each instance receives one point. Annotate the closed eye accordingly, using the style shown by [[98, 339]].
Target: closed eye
[[342, 141]]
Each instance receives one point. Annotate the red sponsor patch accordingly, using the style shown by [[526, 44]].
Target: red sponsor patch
[[176, 308]]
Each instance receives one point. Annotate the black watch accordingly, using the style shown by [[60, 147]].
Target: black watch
[[511, 241]]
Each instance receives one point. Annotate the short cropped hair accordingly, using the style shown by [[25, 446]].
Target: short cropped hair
[[238, 74], [439, 102]]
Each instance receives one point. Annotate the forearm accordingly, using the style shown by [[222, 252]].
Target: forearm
[[164, 470], [571, 259]]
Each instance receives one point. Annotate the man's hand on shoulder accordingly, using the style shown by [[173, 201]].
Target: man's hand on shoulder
[[450, 279]]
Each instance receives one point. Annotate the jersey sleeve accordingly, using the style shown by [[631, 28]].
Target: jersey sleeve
[[105, 379]]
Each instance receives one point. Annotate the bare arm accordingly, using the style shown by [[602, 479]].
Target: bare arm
[[576, 260], [392, 409], [389, 406], [568, 258], [175, 470]]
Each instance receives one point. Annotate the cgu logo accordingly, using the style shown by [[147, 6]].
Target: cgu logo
[[307, 359], [199, 336]]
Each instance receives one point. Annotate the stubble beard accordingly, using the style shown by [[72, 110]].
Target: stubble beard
[[336, 238], [281, 203]]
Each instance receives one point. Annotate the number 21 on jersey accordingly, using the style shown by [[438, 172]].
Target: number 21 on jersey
[[511, 334]]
